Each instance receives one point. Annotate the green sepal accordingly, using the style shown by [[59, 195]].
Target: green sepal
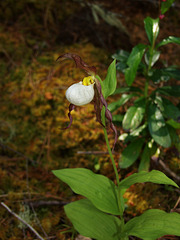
[[110, 82]]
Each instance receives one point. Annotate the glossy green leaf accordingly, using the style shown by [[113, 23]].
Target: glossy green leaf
[[154, 59], [133, 63], [158, 75], [165, 74], [134, 115], [175, 138], [168, 40], [170, 90], [154, 176], [121, 55], [110, 82], [136, 132], [127, 89], [153, 224], [131, 153], [148, 151], [91, 222], [173, 124], [166, 5], [152, 28], [100, 190], [172, 72], [157, 126], [170, 110], [117, 118], [124, 98], [121, 66]]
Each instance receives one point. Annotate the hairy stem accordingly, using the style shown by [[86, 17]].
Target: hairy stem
[[109, 148]]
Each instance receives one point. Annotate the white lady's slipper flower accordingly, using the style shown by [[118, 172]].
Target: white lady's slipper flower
[[87, 90], [81, 93]]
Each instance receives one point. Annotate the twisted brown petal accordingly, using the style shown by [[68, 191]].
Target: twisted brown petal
[[91, 70], [71, 107]]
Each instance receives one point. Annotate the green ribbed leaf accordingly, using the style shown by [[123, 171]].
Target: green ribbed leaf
[[91, 222], [154, 176], [100, 190], [153, 224]]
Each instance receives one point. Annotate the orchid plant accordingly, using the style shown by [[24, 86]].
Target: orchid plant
[[100, 214]]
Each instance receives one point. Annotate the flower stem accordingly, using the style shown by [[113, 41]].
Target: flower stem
[[108, 146], [119, 194]]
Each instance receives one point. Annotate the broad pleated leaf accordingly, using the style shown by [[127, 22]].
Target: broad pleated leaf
[[157, 126], [131, 153], [153, 224], [152, 28], [91, 222], [100, 190], [133, 63], [154, 176]]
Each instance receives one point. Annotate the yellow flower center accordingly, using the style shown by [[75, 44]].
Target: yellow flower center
[[88, 81]]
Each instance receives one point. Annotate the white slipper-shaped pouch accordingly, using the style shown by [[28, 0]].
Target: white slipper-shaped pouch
[[79, 94]]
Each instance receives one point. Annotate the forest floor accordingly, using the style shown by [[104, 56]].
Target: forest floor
[[34, 109]]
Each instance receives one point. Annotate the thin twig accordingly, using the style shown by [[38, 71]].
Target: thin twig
[[30, 197], [95, 152], [171, 173], [175, 209], [22, 220], [47, 203]]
